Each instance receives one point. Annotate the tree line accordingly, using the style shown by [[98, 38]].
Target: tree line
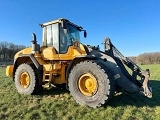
[[147, 58], [8, 50]]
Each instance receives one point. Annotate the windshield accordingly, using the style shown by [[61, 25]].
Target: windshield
[[73, 32]]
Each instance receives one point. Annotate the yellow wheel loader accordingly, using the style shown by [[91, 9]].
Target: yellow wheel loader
[[92, 76]]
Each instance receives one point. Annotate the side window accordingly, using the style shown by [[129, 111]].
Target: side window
[[64, 40], [49, 36], [52, 36], [55, 36]]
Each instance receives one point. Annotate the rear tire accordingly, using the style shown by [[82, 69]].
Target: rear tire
[[89, 84], [26, 79]]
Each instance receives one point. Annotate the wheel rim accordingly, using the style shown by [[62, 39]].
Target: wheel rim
[[25, 80], [87, 84]]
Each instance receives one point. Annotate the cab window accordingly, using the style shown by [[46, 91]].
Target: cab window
[[52, 36], [64, 40]]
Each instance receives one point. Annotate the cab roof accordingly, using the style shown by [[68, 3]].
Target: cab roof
[[59, 21]]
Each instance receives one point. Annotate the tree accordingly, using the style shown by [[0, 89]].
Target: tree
[[148, 58], [8, 50], [4, 50]]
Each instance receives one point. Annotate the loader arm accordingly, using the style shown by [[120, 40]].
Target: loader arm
[[136, 70]]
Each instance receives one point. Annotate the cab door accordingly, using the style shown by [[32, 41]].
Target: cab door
[[65, 45], [51, 42]]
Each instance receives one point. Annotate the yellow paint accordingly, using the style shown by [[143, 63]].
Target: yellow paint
[[54, 70], [72, 53], [50, 67], [57, 70], [87, 84], [49, 53], [58, 62], [9, 70], [24, 51], [61, 79], [24, 80], [39, 58], [57, 66]]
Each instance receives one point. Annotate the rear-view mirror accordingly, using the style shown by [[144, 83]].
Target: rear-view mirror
[[85, 34]]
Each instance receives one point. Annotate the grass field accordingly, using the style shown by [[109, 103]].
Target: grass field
[[57, 104]]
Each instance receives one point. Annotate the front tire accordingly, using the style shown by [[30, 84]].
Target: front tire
[[89, 84], [26, 80]]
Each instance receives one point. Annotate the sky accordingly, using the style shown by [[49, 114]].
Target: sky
[[132, 25]]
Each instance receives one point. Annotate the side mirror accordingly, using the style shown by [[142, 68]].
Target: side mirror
[[64, 26], [85, 34]]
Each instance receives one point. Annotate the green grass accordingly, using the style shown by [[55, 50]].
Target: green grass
[[58, 104]]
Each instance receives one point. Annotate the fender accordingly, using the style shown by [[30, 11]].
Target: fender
[[75, 61], [33, 60]]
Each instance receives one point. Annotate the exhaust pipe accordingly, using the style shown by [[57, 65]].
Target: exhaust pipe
[[35, 46]]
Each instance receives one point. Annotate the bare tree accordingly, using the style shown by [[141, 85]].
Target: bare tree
[[4, 50], [8, 50], [148, 58]]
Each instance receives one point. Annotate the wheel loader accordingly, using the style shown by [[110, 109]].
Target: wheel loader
[[91, 75]]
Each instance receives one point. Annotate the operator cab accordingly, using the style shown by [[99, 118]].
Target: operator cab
[[60, 34]]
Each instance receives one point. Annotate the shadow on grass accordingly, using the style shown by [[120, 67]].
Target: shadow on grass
[[137, 100], [123, 99], [54, 91]]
